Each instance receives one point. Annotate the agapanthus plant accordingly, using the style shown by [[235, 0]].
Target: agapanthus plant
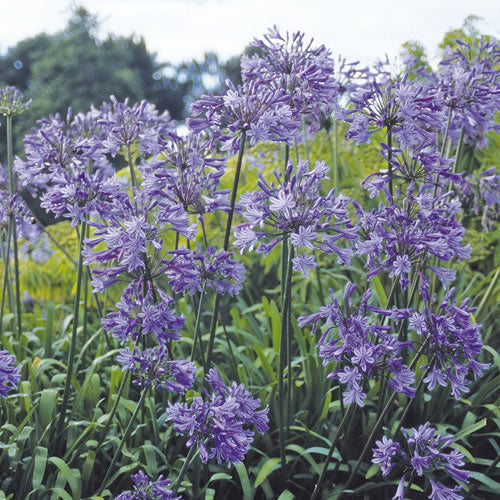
[[303, 72], [219, 422], [468, 86], [153, 368], [12, 101], [192, 270], [295, 208], [125, 125], [355, 338], [133, 238], [262, 114], [187, 173], [10, 374], [399, 239], [422, 455], [453, 341], [146, 489], [144, 310]]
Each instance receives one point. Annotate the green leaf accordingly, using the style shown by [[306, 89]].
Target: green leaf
[[48, 402], [470, 429], [62, 494], [374, 468], [487, 481], [269, 465], [265, 363], [71, 476], [220, 476], [286, 495], [39, 468], [379, 290], [244, 481]]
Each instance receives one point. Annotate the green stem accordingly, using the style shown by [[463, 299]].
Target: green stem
[[286, 286], [131, 166], [389, 160], [124, 439], [213, 323], [72, 349], [333, 146], [226, 334], [205, 242], [12, 222], [447, 130], [331, 450], [115, 406], [306, 143], [184, 468], [197, 331], [380, 420]]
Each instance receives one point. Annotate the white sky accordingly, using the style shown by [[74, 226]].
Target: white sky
[[179, 30]]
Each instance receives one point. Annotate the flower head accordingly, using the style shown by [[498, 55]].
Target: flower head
[[146, 489], [294, 208], [192, 270], [153, 368], [219, 422], [12, 101], [10, 374]]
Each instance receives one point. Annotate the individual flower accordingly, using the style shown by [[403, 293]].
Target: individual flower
[[10, 374], [262, 114], [293, 65], [186, 174], [218, 423], [360, 345], [194, 270], [152, 368], [144, 313], [12, 101], [146, 489], [295, 209], [423, 455]]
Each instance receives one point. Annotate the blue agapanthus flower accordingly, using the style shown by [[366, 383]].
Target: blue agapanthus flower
[[423, 455], [146, 489], [10, 374], [293, 207], [219, 422]]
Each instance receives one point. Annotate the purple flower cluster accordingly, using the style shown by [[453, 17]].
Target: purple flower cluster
[[468, 86], [186, 174], [219, 422], [125, 125], [262, 114], [193, 270], [424, 456], [140, 313], [292, 65], [481, 192], [452, 337], [153, 368], [403, 107], [71, 167], [294, 208], [399, 238], [10, 374], [12, 101], [145, 489], [133, 237], [361, 346]]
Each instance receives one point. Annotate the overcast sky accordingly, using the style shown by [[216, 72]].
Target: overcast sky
[[179, 30]]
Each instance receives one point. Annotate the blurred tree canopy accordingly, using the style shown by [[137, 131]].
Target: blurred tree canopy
[[76, 68]]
